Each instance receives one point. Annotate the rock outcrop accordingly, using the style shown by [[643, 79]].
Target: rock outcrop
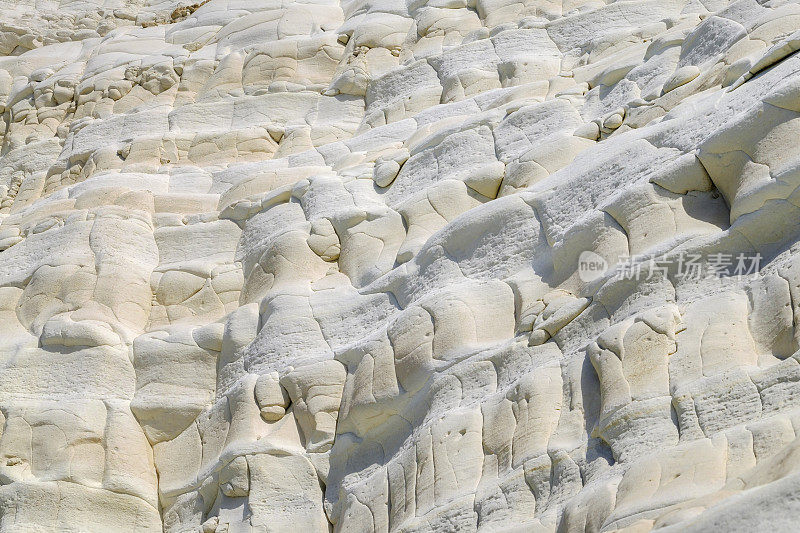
[[373, 266]]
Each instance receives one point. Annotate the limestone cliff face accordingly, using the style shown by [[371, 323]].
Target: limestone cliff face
[[373, 265]]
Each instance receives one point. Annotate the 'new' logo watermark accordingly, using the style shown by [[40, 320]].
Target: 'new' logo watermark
[[591, 266]]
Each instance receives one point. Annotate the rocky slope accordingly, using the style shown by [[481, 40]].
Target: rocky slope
[[382, 266]]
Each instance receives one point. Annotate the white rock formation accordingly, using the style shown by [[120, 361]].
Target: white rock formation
[[300, 265]]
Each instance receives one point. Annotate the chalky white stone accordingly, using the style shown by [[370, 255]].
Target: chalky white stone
[[311, 265]]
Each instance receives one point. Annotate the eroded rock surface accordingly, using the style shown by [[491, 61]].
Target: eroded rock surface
[[312, 265]]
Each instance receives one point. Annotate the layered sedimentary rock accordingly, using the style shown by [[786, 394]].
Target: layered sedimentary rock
[[301, 265]]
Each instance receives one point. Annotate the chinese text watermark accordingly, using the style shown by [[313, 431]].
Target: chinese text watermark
[[683, 265]]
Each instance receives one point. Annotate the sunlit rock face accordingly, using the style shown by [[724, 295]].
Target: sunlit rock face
[[372, 266]]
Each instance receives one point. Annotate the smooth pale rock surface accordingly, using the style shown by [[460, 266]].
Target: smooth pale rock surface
[[312, 265]]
